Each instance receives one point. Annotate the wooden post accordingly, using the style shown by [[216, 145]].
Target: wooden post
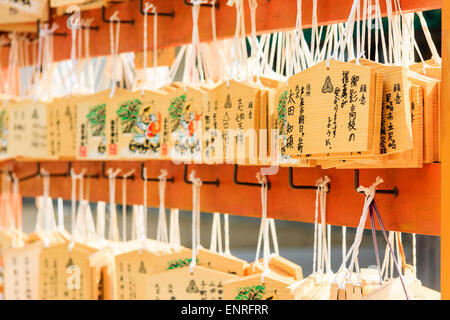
[[445, 151]]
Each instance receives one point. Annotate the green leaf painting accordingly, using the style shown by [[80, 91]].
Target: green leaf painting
[[128, 114], [176, 110], [282, 100], [97, 119], [179, 263], [251, 292]]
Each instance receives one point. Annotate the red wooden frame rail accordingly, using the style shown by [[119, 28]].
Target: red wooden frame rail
[[275, 15], [416, 209]]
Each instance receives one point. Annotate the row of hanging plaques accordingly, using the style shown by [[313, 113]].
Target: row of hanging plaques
[[334, 114], [50, 263]]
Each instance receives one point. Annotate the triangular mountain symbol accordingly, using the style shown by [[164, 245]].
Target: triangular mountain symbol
[[142, 268], [327, 86], [192, 287], [228, 102]]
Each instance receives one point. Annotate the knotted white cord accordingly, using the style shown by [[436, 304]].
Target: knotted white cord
[[196, 184], [354, 249], [161, 231]]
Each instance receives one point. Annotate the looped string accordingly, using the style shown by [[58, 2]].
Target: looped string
[[161, 231], [321, 256], [196, 184]]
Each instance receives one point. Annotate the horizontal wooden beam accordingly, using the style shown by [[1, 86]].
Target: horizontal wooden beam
[[416, 209], [271, 15]]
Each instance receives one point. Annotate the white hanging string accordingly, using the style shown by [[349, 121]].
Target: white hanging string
[[353, 251], [114, 46], [174, 226], [161, 231], [124, 204], [434, 53], [227, 234], [113, 228], [196, 184], [264, 228], [101, 208], [344, 241], [144, 197], [216, 234]]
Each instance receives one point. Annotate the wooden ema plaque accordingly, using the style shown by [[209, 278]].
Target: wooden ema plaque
[[21, 272], [396, 131], [431, 115], [64, 274], [180, 284], [239, 120], [137, 125], [185, 112], [61, 127], [332, 111], [408, 159], [27, 136], [131, 264], [91, 125]]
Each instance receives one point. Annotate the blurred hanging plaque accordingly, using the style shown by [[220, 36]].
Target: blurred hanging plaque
[[17, 11]]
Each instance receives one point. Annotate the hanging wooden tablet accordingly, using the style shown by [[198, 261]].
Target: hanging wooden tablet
[[61, 127], [212, 137], [129, 265], [276, 124], [21, 272], [28, 129], [137, 123], [396, 131], [185, 111], [181, 284], [91, 125], [239, 120], [408, 159], [431, 115], [251, 288], [64, 273], [331, 111]]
